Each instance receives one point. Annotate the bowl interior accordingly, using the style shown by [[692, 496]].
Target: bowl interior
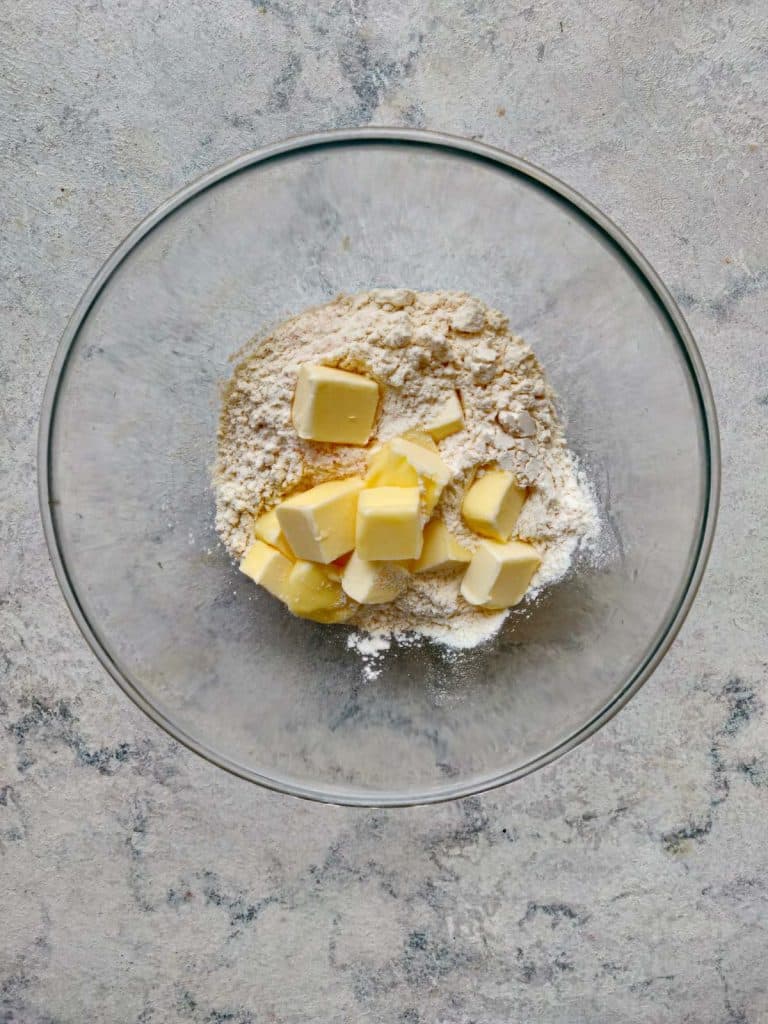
[[132, 440]]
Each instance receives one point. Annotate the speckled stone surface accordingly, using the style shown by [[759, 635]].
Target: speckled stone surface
[[627, 882]]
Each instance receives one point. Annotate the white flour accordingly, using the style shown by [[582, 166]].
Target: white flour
[[419, 346], [371, 647]]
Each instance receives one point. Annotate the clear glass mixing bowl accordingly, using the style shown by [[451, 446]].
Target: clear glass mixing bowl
[[128, 438]]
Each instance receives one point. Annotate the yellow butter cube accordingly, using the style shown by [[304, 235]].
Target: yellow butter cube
[[421, 437], [267, 567], [314, 592], [499, 574], [492, 504], [441, 549], [447, 418], [388, 524], [267, 528], [403, 463], [319, 524], [334, 405], [373, 582]]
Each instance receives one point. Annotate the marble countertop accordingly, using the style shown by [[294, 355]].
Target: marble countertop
[[626, 883]]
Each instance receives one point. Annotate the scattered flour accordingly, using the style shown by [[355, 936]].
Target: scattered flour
[[370, 647], [419, 346]]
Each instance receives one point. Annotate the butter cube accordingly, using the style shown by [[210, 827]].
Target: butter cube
[[421, 437], [267, 528], [373, 582], [388, 524], [268, 567], [319, 524], [314, 592], [441, 549], [492, 504], [447, 419], [403, 463], [499, 574], [334, 405]]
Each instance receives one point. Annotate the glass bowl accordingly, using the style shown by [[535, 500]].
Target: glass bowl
[[128, 439]]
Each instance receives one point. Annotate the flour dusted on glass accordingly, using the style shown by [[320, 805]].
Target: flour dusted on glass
[[371, 647], [420, 347]]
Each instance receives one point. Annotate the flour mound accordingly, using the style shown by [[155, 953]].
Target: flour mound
[[419, 346]]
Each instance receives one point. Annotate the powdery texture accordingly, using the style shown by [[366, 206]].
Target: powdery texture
[[419, 346]]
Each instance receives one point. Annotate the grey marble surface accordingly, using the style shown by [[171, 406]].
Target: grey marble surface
[[626, 883]]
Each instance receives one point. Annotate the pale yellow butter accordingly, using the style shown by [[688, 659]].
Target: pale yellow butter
[[314, 592], [492, 504], [422, 438], [441, 550], [319, 524], [268, 567], [267, 528], [373, 582], [388, 524], [334, 405], [499, 574], [447, 419], [404, 463]]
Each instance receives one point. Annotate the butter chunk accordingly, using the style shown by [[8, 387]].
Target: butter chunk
[[314, 592], [319, 524], [267, 528], [447, 419], [373, 582], [334, 405], [388, 524], [492, 504], [499, 574], [403, 463], [422, 438], [441, 549], [268, 567]]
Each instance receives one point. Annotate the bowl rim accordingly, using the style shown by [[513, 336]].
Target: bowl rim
[[610, 232]]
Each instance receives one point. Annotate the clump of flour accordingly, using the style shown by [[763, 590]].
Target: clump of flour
[[371, 647], [420, 347]]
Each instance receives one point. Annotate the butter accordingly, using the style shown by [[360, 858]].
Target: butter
[[499, 574], [267, 528], [388, 524], [314, 592], [492, 504], [422, 438], [447, 419], [373, 582], [441, 550], [334, 405], [319, 524], [403, 463], [268, 567]]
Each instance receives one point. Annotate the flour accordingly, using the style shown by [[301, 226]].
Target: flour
[[371, 648], [420, 347]]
